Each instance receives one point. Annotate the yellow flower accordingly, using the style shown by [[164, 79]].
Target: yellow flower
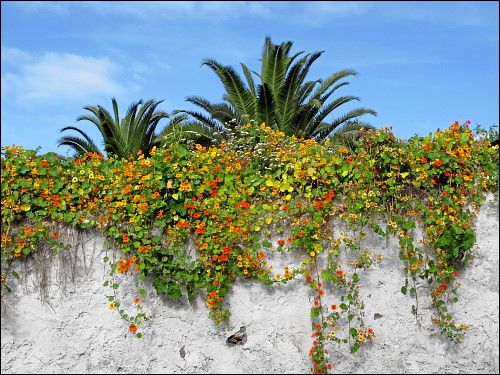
[[111, 306]]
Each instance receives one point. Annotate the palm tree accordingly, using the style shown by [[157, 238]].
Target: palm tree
[[283, 99], [134, 132]]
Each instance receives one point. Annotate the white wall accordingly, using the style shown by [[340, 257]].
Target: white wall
[[76, 332]]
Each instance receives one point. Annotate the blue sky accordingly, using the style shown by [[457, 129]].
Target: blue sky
[[421, 65]]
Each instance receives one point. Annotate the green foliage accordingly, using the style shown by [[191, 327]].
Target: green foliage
[[121, 137], [200, 218], [283, 99]]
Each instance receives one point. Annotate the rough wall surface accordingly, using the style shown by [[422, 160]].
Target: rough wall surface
[[75, 332]]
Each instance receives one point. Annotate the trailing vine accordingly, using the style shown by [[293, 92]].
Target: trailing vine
[[198, 218]]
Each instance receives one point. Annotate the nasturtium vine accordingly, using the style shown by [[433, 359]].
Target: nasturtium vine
[[191, 218]]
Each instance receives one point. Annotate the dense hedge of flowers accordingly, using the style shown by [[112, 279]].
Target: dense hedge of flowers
[[228, 201]]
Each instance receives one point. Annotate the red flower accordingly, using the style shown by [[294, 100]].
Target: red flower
[[438, 163], [444, 193], [281, 242], [349, 160], [55, 235], [334, 307], [216, 282], [132, 328]]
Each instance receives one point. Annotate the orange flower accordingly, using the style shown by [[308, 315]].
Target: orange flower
[[444, 193], [137, 300], [216, 282], [132, 328], [334, 307], [438, 163], [55, 235]]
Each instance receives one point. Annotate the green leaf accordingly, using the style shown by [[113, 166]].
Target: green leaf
[[266, 243], [355, 277], [315, 312]]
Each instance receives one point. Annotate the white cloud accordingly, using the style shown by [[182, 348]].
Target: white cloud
[[30, 79], [14, 56], [450, 13], [212, 11], [317, 13]]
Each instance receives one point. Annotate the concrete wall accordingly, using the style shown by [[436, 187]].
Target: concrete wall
[[75, 332]]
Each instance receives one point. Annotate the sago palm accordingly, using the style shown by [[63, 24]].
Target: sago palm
[[121, 137], [283, 99]]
